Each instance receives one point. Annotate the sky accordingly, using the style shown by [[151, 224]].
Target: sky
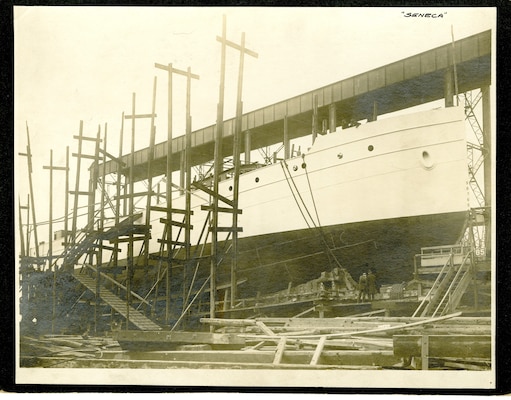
[[84, 63]]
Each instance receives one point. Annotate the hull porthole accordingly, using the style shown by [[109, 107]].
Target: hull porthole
[[427, 160]]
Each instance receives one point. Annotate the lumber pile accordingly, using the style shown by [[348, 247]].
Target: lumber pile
[[358, 342], [446, 342], [62, 348]]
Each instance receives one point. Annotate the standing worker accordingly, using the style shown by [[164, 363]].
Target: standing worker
[[362, 287], [371, 285]]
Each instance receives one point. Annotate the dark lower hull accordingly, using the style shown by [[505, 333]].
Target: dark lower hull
[[270, 262]]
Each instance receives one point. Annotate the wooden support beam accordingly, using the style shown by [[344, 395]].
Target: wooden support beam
[[309, 310], [461, 346], [396, 327], [425, 352], [228, 322], [175, 70], [182, 244], [86, 156], [175, 223], [280, 351], [140, 116], [111, 248], [126, 240], [173, 210], [166, 336], [79, 193], [237, 46], [261, 325], [256, 347], [220, 209], [213, 193], [227, 229], [55, 168], [113, 158], [90, 139], [138, 194], [318, 351]]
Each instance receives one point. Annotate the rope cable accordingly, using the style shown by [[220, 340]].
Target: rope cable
[[318, 227], [299, 195], [294, 196]]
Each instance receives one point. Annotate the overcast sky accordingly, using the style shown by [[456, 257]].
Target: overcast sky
[[75, 64]]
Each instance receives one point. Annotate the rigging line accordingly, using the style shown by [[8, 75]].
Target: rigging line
[[294, 196], [310, 189], [320, 229], [62, 218], [316, 209], [299, 195], [57, 219]]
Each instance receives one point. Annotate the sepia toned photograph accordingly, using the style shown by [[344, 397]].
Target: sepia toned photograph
[[255, 196]]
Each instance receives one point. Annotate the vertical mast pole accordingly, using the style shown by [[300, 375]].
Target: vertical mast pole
[[22, 236], [150, 178], [118, 192], [169, 199], [77, 182], [101, 224], [28, 225], [93, 184], [51, 266], [130, 263], [185, 181], [236, 157], [188, 164], [66, 202], [237, 161], [50, 213], [29, 160], [216, 175], [50, 246]]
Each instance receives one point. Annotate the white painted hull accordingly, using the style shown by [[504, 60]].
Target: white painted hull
[[397, 184], [418, 166]]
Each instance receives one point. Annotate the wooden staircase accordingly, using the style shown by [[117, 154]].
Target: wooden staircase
[[87, 240], [135, 317], [450, 285]]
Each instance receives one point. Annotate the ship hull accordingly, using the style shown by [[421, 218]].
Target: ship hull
[[365, 197]]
